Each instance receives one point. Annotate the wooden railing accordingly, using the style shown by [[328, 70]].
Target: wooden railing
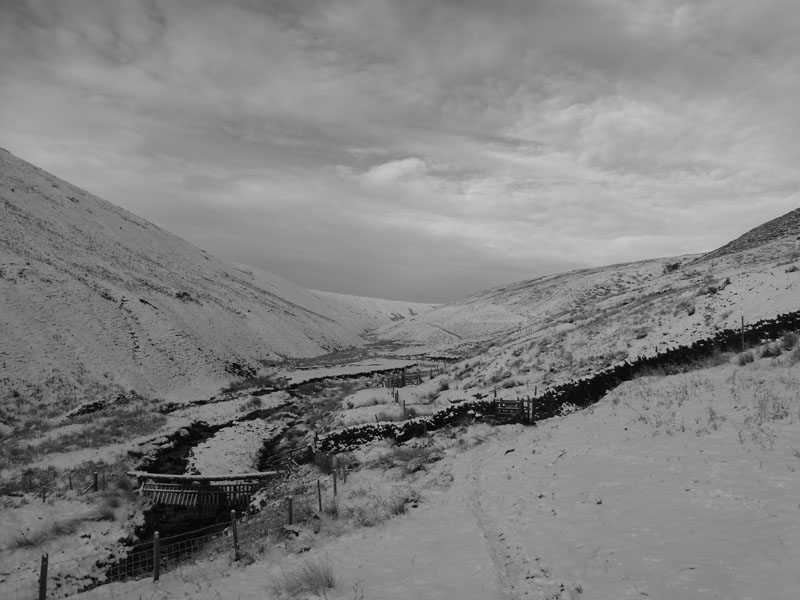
[[220, 491]]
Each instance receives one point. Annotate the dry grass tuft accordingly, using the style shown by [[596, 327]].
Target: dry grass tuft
[[313, 575], [409, 459], [794, 357]]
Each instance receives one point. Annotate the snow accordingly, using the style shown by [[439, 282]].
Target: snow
[[295, 376], [95, 300], [233, 449], [669, 488]]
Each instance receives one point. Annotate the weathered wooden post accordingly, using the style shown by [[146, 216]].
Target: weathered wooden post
[[156, 557], [43, 578], [95, 483], [235, 532], [335, 488], [319, 495], [70, 483], [44, 494], [743, 333]]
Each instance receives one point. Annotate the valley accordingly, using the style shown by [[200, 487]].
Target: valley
[[658, 458]]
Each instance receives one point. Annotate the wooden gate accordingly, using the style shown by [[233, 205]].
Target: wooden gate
[[512, 411]]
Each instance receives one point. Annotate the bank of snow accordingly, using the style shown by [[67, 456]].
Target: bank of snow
[[680, 487]]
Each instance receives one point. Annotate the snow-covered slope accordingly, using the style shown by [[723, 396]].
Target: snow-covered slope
[[679, 487], [95, 299], [556, 327], [369, 313]]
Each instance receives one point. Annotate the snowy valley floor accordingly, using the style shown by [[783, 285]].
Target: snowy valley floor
[[679, 487]]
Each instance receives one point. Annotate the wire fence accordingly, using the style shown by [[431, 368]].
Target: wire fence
[[43, 483], [125, 571]]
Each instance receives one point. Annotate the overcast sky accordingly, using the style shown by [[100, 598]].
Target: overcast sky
[[415, 149]]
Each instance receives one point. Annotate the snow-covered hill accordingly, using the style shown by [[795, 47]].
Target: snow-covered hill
[[547, 330], [94, 299]]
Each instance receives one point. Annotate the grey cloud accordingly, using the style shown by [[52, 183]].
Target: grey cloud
[[469, 140]]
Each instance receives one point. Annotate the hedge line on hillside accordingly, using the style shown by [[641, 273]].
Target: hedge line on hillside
[[580, 392]]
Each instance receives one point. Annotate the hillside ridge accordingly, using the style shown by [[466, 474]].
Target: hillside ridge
[[542, 332], [96, 300], [782, 227]]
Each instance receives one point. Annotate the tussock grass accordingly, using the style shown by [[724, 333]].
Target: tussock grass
[[409, 459], [398, 504], [794, 357], [112, 427], [312, 575], [331, 509], [325, 462], [375, 508], [789, 340]]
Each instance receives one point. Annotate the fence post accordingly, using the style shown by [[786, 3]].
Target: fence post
[[344, 473], [291, 510], [319, 495], [43, 578], [335, 489], [70, 483], [156, 557], [95, 486], [44, 494], [235, 536], [743, 333], [104, 482]]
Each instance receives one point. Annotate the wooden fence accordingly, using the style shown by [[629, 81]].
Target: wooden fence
[[241, 535], [404, 378], [233, 491]]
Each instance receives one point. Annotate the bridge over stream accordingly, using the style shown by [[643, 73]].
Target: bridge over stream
[[203, 492]]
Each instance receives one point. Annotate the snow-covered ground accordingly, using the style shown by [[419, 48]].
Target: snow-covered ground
[[296, 376], [95, 300], [234, 449], [525, 337], [679, 487], [670, 487]]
